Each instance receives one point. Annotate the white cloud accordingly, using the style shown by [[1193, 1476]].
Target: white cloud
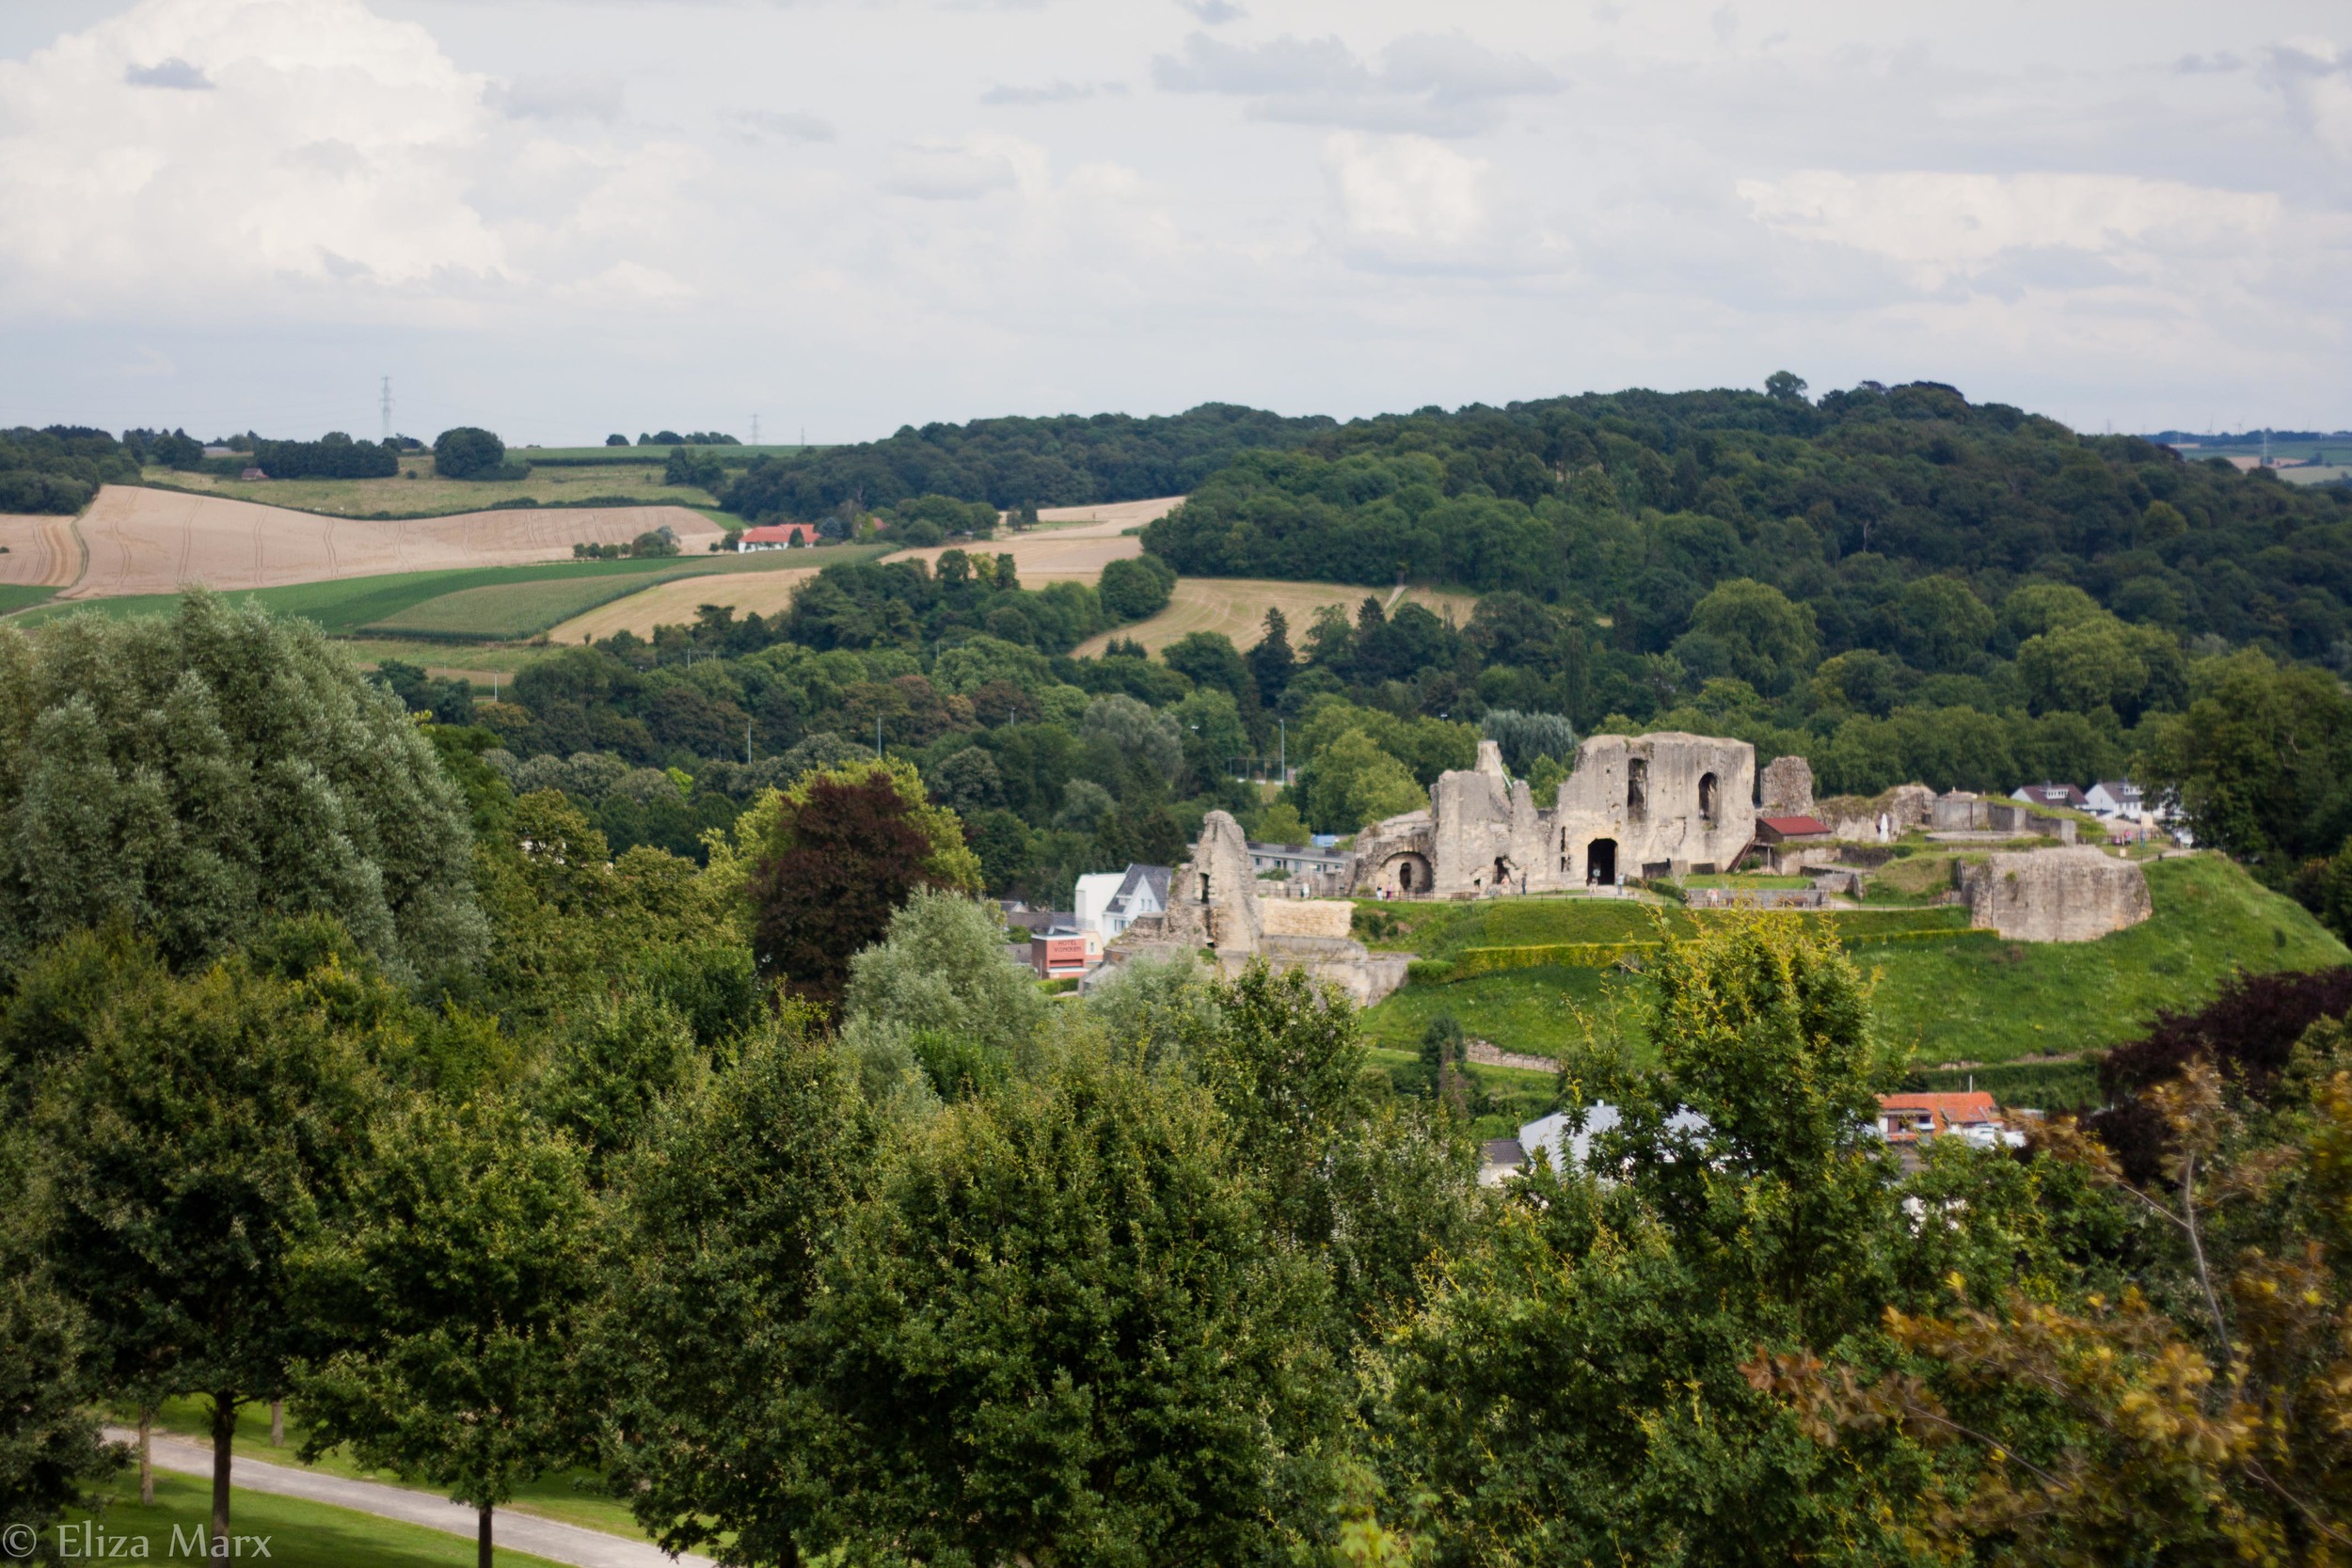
[[597, 98], [1428, 84], [758, 125], [173, 73], [957, 171], [1945, 225], [334, 144], [2316, 77]]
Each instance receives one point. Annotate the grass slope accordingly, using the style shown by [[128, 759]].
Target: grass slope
[[15, 597], [1971, 998], [558, 1496], [301, 1534]]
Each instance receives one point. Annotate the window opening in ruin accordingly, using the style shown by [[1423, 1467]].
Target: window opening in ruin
[[1636, 789], [1502, 873], [1205, 887], [1709, 800], [1404, 877], [1564, 851], [1600, 862]]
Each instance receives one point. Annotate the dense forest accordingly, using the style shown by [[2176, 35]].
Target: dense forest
[[59, 468], [343, 1064], [1632, 505], [1066, 460]]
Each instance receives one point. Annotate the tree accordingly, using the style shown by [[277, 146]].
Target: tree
[[1527, 736], [613, 1063], [202, 774], [937, 989], [454, 1283], [1064, 1332], [2259, 762], [49, 1447], [1785, 387], [194, 1146], [844, 849], [723, 1226], [1136, 587], [1572, 1389], [467, 452], [1271, 663], [1352, 784], [1945, 624], [1768, 641]]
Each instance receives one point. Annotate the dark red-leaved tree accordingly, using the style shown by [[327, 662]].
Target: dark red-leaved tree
[[2248, 1031], [849, 847]]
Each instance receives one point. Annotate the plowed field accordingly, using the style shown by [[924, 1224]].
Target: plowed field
[[156, 541], [41, 552]]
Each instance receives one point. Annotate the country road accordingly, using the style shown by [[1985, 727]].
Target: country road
[[523, 1532]]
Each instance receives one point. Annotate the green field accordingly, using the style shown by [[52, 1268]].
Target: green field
[[504, 612], [1968, 997], [300, 1534], [15, 597], [350, 605], [559, 1496]]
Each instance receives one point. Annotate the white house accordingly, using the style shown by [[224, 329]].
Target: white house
[[1107, 902], [1551, 1134], [2113, 798]]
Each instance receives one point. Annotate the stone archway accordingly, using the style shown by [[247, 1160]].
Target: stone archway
[[1407, 874], [1600, 862]]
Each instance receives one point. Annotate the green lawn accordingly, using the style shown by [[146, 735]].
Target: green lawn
[[505, 612], [348, 605], [1979, 998], [565, 1496], [300, 1534], [1968, 997]]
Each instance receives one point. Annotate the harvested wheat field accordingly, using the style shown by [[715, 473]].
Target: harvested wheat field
[[42, 552], [1089, 539], [158, 541], [675, 603], [1118, 515], [1238, 605]]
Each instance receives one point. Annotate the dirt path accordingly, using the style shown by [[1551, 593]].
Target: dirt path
[[521, 1532]]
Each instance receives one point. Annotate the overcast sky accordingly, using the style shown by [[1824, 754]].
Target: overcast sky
[[565, 217]]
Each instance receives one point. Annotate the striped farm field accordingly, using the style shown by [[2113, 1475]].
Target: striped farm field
[[1237, 608], [503, 612], [676, 602]]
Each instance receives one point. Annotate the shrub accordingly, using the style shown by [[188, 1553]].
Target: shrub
[[1135, 589], [466, 452]]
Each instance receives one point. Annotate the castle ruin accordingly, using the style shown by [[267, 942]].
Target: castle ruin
[[1652, 805]]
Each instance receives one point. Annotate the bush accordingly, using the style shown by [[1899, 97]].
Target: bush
[[21, 490], [467, 452], [334, 456], [1133, 590]]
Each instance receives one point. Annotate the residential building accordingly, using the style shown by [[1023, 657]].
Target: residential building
[[1059, 954], [1299, 862], [2113, 798], [1107, 902], [2051, 797], [776, 536], [1912, 1120]]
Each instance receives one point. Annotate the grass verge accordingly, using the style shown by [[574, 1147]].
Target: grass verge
[[300, 1534], [565, 1496]]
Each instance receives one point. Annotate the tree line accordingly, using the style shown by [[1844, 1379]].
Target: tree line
[[767, 1193]]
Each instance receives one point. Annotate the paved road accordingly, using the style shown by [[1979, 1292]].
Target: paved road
[[523, 1532]]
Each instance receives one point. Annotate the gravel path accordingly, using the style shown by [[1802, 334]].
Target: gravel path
[[522, 1532]]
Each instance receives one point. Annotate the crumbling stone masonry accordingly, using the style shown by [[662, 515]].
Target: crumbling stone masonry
[[1213, 902], [2077, 895], [1785, 788], [1664, 804]]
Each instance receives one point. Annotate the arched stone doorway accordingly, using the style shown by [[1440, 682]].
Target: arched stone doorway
[[1600, 863], [1710, 800], [1406, 874]]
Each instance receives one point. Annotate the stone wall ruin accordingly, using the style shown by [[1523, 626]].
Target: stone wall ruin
[[2077, 895]]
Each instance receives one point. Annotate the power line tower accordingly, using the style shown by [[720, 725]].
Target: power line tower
[[388, 408]]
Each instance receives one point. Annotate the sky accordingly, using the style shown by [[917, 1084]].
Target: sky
[[560, 218]]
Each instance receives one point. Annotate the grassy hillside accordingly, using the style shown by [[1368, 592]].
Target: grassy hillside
[[1967, 998], [15, 597]]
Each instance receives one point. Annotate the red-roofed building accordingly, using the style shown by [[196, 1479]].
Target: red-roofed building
[[776, 536], [1782, 829], [1970, 1116]]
